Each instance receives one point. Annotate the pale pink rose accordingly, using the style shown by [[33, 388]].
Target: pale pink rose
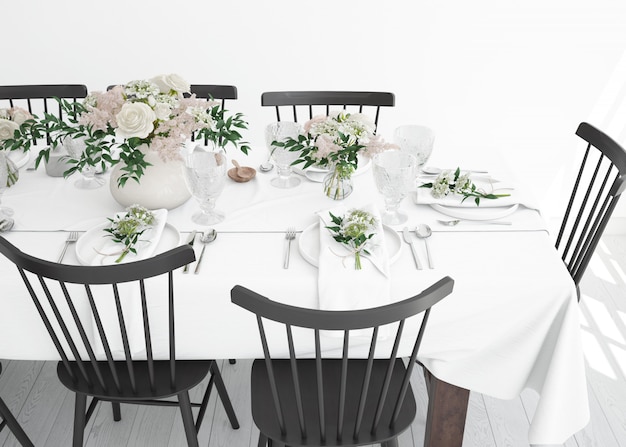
[[315, 120], [135, 120], [7, 129], [20, 115], [175, 82]]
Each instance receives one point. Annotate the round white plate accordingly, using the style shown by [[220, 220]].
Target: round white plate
[[316, 174], [477, 213], [309, 243], [96, 238], [20, 158]]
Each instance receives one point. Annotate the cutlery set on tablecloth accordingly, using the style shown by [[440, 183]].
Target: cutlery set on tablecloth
[[206, 238]]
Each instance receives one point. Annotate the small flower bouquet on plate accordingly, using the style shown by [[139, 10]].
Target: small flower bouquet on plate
[[354, 229]]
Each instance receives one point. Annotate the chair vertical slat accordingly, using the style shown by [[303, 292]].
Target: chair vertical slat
[[582, 208], [296, 381], [342, 384], [383, 392], [103, 338], [310, 111], [409, 370], [46, 322], [64, 329], [295, 114], [587, 233], [568, 210], [277, 114], [272, 378], [320, 385], [172, 329], [376, 119], [366, 383], [125, 343], [360, 108], [83, 335], [146, 333], [327, 109]]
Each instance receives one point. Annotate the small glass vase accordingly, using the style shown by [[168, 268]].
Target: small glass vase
[[338, 182]]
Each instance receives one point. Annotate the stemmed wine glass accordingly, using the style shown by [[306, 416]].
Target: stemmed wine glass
[[394, 173], [205, 173], [417, 141], [4, 178], [283, 157], [75, 148]]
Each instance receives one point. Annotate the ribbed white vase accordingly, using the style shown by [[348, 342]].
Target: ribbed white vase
[[162, 185]]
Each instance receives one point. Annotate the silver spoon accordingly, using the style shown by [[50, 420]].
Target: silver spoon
[[423, 231], [206, 239], [452, 223], [267, 166], [6, 224]]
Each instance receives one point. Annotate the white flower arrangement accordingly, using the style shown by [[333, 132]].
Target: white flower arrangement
[[354, 229], [453, 182]]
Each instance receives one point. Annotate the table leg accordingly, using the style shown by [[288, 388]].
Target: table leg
[[447, 408]]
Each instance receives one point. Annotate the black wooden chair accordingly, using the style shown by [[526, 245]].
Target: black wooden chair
[[39, 99], [599, 184], [120, 376], [342, 401], [311, 103], [8, 420]]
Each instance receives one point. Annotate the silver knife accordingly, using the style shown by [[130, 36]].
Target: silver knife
[[191, 240], [406, 234]]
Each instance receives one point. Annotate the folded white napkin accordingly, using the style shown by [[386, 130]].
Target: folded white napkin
[[423, 196], [108, 251], [340, 285]]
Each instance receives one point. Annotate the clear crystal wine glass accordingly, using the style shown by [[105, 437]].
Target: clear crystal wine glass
[[417, 141], [394, 174], [75, 148], [4, 177], [283, 158], [205, 173]]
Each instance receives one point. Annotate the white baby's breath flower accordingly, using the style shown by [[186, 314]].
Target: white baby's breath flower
[[136, 119], [141, 89], [463, 184]]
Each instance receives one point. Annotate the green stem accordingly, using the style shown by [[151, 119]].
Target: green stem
[[123, 255], [357, 260]]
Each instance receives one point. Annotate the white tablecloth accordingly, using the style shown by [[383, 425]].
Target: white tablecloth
[[511, 323]]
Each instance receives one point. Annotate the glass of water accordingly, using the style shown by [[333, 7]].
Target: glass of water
[[394, 174]]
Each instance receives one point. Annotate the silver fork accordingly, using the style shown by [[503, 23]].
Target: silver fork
[[290, 235], [72, 237]]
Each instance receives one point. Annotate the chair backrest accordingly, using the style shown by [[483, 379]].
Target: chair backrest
[[311, 103], [71, 299], [599, 184], [366, 321], [39, 99]]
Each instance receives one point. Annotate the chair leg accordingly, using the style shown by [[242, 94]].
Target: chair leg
[[233, 361], [221, 390], [80, 407], [117, 411], [185, 410], [13, 425], [262, 440], [390, 443]]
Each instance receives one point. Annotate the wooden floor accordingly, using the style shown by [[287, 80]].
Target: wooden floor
[[45, 408]]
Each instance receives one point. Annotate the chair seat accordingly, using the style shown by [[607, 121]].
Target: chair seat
[[266, 420], [189, 373]]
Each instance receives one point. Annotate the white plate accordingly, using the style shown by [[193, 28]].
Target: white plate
[[309, 245], [96, 238], [20, 158], [316, 174], [478, 213]]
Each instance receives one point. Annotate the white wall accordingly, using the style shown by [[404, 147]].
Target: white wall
[[499, 78]]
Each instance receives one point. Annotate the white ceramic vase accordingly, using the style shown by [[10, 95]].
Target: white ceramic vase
[[162, 185]]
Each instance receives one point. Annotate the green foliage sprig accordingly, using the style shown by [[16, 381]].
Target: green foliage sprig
[[456, 183], [127, 229], [355, 229]]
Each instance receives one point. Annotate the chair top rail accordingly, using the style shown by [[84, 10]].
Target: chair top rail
[[43, 91], [289, 98]]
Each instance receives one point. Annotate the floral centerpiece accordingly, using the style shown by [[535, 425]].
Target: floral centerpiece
[[158, 114], [354, 230], [334, 142], [10, 121], [453, 182]]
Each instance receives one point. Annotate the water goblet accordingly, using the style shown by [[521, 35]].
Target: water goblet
[[205, 173], [417, 141], [283, 157], [4, 178], [75, 148], [394, 174]]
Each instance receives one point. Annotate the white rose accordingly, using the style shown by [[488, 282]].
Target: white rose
[[171, 82], [162, 110], [136, 119], [20, 115], [7, 129]]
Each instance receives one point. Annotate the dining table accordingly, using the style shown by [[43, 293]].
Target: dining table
[[511, 323]]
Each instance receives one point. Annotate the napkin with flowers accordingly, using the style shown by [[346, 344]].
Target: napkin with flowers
[[353, 262], [131, 236]]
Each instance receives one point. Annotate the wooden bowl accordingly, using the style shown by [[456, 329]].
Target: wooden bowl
[[241, 174]]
